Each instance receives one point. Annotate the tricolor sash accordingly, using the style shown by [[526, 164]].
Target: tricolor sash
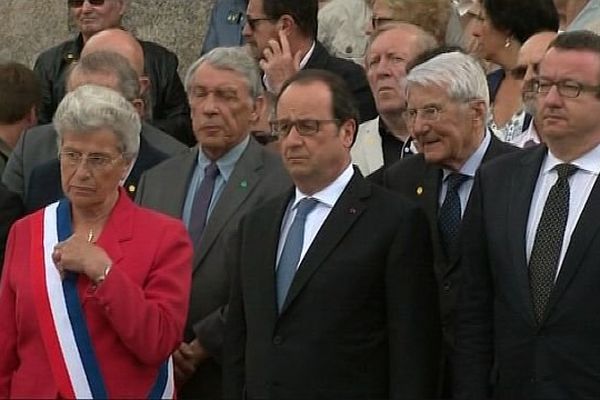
[[62, 322]]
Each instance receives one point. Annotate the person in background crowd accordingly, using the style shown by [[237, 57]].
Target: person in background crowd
[[528, 62], [385, 139], [527, 321], [447, 104], [578, 14], [317, 311], [211, 189], [94, 290], [20, 97], [11, 208], [432, 16], [38, 144], [113, 71], [282, 36], [504, 25], [227, 20], [341, 28], [170, 111]]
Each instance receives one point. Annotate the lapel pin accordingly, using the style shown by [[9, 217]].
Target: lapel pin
[[420, 190], [244, 184], [352, 211], [131, 188]]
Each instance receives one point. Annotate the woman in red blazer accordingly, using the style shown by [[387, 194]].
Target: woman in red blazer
[[94, 292]]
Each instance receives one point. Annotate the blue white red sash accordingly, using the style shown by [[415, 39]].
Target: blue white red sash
[[62, 321]]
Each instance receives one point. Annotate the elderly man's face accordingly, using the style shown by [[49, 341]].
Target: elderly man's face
[[315, 158], [530, 56], [91, 19], [447, 131], [570, 122], [222, 109], [91, 167], [386, 67]]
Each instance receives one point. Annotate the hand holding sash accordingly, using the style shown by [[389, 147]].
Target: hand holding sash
[[78, 255]]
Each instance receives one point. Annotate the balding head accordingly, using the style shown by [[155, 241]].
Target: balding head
[[120, 42]]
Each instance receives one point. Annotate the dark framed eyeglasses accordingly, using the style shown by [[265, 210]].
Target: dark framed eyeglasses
[[378, 22], [252, 22], [569, 89], [304, 127], [79, 3]]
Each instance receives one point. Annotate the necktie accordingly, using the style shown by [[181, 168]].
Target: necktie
[[292, 248], [449, 216], [547, 244], [202, 202]]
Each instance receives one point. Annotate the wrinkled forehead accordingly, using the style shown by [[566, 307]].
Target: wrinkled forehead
[[575, 64]]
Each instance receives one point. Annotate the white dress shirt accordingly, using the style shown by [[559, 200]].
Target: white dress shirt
[[315, 219], [580, 183]]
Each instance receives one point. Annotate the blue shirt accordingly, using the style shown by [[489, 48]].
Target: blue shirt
[[226, 24], [226, 164]]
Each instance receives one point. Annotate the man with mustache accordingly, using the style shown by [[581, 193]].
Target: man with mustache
[[211, 188], [528, 324]]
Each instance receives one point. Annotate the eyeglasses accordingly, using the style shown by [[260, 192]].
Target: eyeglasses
[[378, 22], [79, 3], [429, 113], [569, 89], [304, 127], [252, 22], [93, 161]]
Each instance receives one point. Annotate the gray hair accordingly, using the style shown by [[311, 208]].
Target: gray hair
[[460, 74], [234, 59], [92, 107], [110, 63]]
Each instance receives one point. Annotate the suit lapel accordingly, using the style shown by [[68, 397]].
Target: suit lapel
[[522, 186], [428, 193], [118, 229], [241, 183], [585, 231], [343, 215]]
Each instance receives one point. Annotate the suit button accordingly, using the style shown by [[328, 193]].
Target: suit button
[[447, 286], [277, 340]]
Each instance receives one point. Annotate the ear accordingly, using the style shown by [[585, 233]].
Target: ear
[[31, 117], [286, 24], [347, 132], [478, 110], [144, 84], [122, 7], [258, 109], [140, 107]]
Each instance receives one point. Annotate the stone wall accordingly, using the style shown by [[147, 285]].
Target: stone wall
[[31, 26]]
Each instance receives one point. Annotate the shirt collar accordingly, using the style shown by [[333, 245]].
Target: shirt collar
[[307, 56], [227, 162], [590, 161], [330, 194], [472, 164]]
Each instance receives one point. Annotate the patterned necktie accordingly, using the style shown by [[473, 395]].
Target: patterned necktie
[[547, 245], [449, 216], [292, 248], [201, 202]]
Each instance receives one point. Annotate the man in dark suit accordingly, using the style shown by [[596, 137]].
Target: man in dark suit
[[225, 95], [282, 35], [528, 314], [333, 294], [38, 145], [449, 127]]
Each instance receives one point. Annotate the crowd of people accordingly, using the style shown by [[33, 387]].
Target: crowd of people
[[342, 199]]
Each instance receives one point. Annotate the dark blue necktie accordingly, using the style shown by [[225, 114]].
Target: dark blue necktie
[[548, 241], [292, 248], [449, 216], [201, 202]]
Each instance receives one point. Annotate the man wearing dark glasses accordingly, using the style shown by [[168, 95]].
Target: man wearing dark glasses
[[170, 111], [282, 35]]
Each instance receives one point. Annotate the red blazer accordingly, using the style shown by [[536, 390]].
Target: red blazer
[[135, 317]]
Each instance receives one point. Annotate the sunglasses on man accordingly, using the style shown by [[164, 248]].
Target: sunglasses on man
[[79, 3]]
